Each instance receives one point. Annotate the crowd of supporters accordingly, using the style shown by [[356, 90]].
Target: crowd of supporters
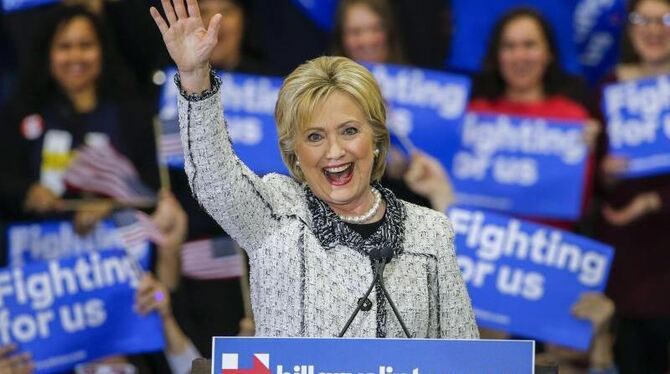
[[77, 74]]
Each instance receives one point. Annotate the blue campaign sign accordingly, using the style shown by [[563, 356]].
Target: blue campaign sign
[[470, 38], [56, 309], [233, 355], [638, 124], [597, 30], [520, 275], [14, 5], [28, 242], [249, 102], [519, 165], [322, 12], [425, 107]]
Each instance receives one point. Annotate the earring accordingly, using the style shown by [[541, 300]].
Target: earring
[[376, 152], [297, 163]]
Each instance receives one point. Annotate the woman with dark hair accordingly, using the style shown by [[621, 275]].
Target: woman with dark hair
[[232, 52], [521, 76], [636, 212], [74, 92], [524, 30], [365, 31]]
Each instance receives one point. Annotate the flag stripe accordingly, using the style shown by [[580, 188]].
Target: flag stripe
[[136, 227], [199, 259], [103, 170]]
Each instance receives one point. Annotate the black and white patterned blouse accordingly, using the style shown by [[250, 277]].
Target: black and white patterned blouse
[[308, 268]]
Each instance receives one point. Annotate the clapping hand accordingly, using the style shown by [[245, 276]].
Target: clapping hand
[[428, 178], [13, 362], [152, 295], [188, 42], [594, 307], [172, 222], [641, 205], [40, 199], [591, 132]]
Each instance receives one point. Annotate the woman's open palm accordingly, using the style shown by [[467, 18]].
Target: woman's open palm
[[184, 33]]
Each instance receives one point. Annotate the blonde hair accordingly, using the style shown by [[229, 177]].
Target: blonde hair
[[313, 82]]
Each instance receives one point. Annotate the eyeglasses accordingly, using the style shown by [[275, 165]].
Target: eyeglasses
[[638, 19]]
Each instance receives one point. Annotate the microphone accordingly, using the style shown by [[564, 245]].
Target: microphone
[[379, 257]]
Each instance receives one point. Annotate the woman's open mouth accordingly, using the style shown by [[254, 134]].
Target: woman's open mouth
[[339, 175]]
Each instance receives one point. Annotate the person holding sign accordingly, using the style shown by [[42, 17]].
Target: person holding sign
[[74, 93], [635, 216], [310, 236], [151, 296], [427, 177], [521, 76], [365, 31]]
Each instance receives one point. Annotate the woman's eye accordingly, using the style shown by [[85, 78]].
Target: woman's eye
[[314, 137], [350, 131]]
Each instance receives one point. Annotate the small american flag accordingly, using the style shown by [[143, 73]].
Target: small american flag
[[170, 150], [101, 169], [135, 228], [216, 258]]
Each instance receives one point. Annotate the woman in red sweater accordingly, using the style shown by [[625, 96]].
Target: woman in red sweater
[[521, 76]]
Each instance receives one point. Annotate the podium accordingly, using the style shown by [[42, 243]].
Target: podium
[[258, 355]]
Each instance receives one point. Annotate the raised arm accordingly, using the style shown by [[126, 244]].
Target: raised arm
[[188, 42], [231, 193]]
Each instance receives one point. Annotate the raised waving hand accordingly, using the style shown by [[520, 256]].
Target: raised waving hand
[[188, 42]]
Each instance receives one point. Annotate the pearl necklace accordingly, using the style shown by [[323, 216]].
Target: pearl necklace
[[367, 215]]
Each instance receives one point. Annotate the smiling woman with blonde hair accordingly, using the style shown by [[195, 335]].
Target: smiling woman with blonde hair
[[310, 237]]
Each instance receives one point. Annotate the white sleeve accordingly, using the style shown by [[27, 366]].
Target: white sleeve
[[237, 198]]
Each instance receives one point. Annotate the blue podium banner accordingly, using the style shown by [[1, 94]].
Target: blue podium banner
[[521, 275], [52, 240], [523, 166], [249, 102], [75, 310], [15, 5], [233, 355], [638, 124]]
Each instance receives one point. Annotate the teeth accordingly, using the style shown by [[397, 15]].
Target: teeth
[[337, 169]]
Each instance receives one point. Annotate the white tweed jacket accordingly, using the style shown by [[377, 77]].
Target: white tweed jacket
[[299, 287]]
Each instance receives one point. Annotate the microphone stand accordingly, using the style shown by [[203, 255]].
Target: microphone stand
[[395, 310], [386, 255], [362, 300], [379, 267]]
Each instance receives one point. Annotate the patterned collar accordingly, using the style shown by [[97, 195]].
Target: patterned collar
[[330, 230]]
